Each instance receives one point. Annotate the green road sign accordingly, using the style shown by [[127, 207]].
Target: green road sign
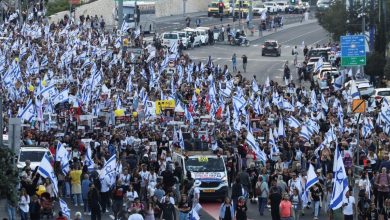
[[353, 61]]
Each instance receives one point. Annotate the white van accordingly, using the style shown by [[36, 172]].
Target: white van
[[185, 38], [197, 37], [169, 38], [209, 169], [33, 154], [204, 34]]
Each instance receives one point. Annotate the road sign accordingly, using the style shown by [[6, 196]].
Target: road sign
[[358, 106], [353, 61], [353, 50]]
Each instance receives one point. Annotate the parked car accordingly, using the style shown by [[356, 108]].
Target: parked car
[[204, 34], [259, 8], [282, 5], [170, 38], [364, 87], [272, 7], [271, 47], [185, 39], [196, 34]]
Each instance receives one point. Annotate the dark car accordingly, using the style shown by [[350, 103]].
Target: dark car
[[271, 47]]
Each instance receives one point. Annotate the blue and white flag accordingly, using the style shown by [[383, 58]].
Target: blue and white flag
[[188, 115], [340, 179], [181, 139], [46, 171], [62, 155], [109, 169], [281, 132], [64, 208], [255, 87], [271, 139], [61, 97], [354, 91], [312, 179], [293, 122], [49, 92], [305, 133], [319, 64], [88, 160], [339, 82], [28, 113]]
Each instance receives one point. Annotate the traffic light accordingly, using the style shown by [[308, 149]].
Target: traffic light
[[220, 7]]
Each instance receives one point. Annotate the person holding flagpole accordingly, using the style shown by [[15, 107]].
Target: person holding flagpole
[[349, 206]]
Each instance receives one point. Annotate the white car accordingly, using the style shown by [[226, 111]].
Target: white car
[[272, 7], [185, 38], [364, 87], [282, 5], [380, 93], [196, 34], [204, 35], [170, 38], [259, 8], [33, 154]]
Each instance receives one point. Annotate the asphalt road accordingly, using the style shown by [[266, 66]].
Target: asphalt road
[[178, 22], [263, 67]]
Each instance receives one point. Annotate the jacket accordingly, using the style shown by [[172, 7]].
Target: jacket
[[223, 209]]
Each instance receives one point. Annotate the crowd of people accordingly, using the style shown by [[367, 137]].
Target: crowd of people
[[79, 90]]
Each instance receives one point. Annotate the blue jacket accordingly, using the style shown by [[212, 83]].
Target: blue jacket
[[223, 209], [85, 188]]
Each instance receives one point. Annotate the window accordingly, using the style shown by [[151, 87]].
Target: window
[[384, 93], [170, 36], [205, 165], [33, 156], [270, 44]]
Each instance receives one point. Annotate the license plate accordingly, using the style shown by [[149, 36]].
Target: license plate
[[208, 190]]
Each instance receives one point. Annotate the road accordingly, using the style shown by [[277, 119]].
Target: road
[[178, 22], [263, 67]]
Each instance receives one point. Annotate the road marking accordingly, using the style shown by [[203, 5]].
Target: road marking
[[229, 58], [318, 41], [301, 35], [112, 217], [256, 45]]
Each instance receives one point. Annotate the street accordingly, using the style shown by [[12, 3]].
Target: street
[[264, 67]]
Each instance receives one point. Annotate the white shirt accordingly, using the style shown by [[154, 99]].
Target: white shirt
[[24, 203], [152, 178], [125, 179], [348, 210], [144, 177], [131, 195], [135, 216], [105, 182], [171, 199]]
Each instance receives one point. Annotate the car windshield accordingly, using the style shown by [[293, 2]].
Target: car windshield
[[270, 44], [33, 156], [203, 164], [269, 4], [170, 36], [282, 4], [259, 6], [182, 34]]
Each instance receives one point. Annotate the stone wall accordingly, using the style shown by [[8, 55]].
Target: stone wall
[[175, 7]]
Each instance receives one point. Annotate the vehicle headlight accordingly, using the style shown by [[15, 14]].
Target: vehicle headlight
[[224, 179]]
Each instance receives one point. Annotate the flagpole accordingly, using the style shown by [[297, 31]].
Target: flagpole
[[358, 140]]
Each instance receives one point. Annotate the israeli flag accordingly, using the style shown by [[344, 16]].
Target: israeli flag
[[354, 91], [173, 48], [319, 64], [64, 208], [339, 82], [293, 122], [46, 171], [181, 140], [305, 133], [271, 139], [49, 92], [109, 170], [62, 155], [125, 27], [188, 115], [89, 161], [312, 179], [28, 113], [250, 139], [340, 179], [255, 87], [281, 132], [61, 97]]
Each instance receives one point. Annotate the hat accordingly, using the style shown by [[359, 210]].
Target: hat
[[197, 183]]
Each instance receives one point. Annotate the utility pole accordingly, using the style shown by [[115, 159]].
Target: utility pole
[[250, 26], [234, 14], [120, 14], [184, 7]]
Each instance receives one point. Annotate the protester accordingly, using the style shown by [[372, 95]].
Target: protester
[[227, 211]]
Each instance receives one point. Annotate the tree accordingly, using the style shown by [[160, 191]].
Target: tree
[[8, 176], [386, 71], [338, 21], [375, 64]]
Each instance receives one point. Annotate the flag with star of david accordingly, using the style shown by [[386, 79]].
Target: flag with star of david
[[28, 112], [61, 97], [340, 179], [46, 171]]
